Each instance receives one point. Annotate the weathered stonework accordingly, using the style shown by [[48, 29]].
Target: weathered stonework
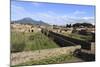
[[24, 28]]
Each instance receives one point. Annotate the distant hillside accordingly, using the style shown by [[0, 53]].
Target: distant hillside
[[29, 21]]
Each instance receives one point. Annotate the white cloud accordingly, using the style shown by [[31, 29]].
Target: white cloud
[[88, 18], [54, 18], [50, 16], [36, 4], [77, 12], [18, 12]]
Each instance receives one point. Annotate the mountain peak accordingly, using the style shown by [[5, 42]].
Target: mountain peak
[[29, 20]]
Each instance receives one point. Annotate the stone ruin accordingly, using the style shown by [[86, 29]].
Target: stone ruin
[[24, 28]]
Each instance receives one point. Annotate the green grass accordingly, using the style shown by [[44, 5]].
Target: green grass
[[52, 60], [80, 37], [30, 41]]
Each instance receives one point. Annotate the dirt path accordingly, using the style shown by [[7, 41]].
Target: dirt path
[[22, 57]]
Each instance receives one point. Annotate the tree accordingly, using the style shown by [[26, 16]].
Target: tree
[[87, 24], [76, 25], [82, 24], [68, 25]]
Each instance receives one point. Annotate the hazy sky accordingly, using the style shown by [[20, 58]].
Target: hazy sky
[[51, 13]]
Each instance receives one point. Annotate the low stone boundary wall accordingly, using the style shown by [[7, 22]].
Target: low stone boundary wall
[[22, 57]]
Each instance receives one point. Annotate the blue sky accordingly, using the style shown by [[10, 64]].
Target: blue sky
[[51, 13]]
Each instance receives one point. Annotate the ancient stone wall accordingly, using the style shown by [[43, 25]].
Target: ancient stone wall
[[22, 57], [24, 28]]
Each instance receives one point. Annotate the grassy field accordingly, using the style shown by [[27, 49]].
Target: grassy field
[[80, 37], [30, 41]]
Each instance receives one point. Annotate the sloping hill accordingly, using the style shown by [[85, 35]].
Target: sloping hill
[[29, 21]]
